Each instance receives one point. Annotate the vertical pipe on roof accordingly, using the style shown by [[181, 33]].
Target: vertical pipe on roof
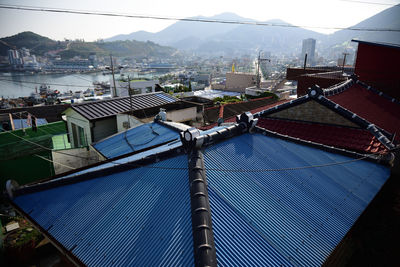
[[203, 237]]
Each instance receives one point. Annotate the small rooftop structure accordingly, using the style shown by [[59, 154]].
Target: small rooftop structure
[[106, 108], [92, 122]]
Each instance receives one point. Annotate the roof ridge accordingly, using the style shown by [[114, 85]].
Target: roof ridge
[[283, 106], [332, 149], [317, 94], [378, 92], [353, 117], [338, 88]]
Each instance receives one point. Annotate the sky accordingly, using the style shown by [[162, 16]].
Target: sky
[[57, 26]]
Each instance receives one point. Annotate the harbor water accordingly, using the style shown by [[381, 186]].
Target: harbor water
[[14, 85]]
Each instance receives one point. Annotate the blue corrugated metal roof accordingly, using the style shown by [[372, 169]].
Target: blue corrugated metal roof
[[23, 123], [291, 217], [163, 148], [141, 137], [273, 217], [138, 217]]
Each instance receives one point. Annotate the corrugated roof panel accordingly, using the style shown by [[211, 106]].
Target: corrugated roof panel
[[166, 97], [234, 236], [301, 213], [115, 219], [135, 139], [114, 106]]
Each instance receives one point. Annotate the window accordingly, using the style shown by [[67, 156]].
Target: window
[[79, 136]]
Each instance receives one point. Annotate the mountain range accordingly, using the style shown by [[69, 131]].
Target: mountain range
[[39, 45], [220, 39]]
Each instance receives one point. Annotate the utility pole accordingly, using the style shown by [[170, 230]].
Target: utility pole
[[258, 67], [112, 71], [344, 60], [130, 94], [305, 61]]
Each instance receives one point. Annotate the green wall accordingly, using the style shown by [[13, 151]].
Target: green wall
[[19, 159]]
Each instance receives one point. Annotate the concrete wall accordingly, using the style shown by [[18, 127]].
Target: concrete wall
[[216, 86], [238, 82], [104, 128], [85, 158], [313, 112], [182, 115], [133, 122]]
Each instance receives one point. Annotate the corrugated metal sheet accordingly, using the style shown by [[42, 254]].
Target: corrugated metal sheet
[[135, 139], [292, 217], [139, 217], [170, 146], [106, 108]]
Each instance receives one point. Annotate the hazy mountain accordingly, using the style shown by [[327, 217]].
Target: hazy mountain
[[387, 19], [221, 38], [218, 38], [184, 30], [274, 39], [39, 45]]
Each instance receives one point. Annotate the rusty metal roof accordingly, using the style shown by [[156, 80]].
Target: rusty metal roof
[[106, 108]]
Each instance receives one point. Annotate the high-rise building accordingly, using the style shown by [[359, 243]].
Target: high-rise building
[[309, 49], [15, 59]]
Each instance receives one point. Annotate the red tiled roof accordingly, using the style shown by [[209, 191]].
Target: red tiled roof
[[372, 107], [341, 137], [233, 118]]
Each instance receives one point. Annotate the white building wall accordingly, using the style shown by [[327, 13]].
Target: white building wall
[[182, 115], [140, 86], [75, 118], [133, 122]]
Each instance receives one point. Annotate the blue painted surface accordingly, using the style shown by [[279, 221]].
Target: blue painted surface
[[23, 123], [290, 217], [141, 137], [139, 217], [166, 97]]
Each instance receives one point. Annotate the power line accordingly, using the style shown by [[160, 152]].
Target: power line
[[218, 169], [137, 16], [52, 161], [369, 3], [56, 84], [46, 148]]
